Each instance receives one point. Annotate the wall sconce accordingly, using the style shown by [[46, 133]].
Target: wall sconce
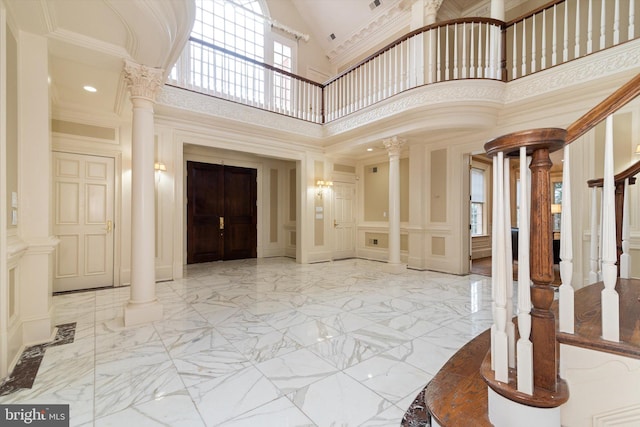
[[556, 208], [637, 149], [322, 185], [160, 167]]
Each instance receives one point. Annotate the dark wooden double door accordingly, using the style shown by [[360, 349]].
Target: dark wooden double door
[[221, 212]]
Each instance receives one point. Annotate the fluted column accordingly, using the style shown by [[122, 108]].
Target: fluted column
[[393, 146], [144, 84]]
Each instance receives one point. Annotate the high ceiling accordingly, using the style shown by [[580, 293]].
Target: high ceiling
[[90, 39]]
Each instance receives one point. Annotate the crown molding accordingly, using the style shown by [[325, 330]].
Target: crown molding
[[372, 36]]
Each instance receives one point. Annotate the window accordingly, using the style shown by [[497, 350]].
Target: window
[[556, 206], [227, 37], [478, 199], [281, 82]]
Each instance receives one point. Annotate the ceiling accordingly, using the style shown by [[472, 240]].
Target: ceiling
[[89, 40]]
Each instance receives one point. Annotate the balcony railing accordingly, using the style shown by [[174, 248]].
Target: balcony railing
[[470, 48]]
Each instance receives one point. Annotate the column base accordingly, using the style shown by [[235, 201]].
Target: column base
[[138, 314], [394, 268]]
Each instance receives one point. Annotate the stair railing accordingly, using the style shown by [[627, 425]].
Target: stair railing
[[532, 379]]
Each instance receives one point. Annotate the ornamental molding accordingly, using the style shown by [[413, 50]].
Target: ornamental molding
[[609, 62], [371, 36], [460, 91], [142, 81], [393, 145], [203, 104]]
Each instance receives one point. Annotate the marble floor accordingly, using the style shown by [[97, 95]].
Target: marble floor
[[262, 342]]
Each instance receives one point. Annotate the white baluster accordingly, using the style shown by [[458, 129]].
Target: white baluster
[[565, 42], [566, 250], [499, 281], [625, 257], [509, 326], [472, 51], [514, 68], [600, 236], [446, 54], [525, 347], [439, 53], [576, 47], [432, 54], [603, 25], [455, 51], [632, 12], [495, 224], [589, 27], [616, 23], [480, 74], [533, 44], [543, 50], [487, 53], [610, 309], [595, 240], [554, 37], [464, 50], [524, 48]]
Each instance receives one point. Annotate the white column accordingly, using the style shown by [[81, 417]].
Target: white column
[[431, 8], [393, 146], [144, 84], [497, 12], [497, 9], [35, 281]]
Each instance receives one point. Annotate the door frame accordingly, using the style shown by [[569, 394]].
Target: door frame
[[117, 202]]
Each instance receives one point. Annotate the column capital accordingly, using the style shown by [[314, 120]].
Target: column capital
[[142, 81], [431, 8], [393, 145]]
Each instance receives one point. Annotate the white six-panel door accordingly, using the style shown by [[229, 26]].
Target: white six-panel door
[[344, 220], [83, 189]]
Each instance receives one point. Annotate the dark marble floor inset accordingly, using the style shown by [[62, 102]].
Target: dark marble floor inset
[[25, 371], [417, 415]]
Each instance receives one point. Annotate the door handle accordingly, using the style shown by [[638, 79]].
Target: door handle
[[335, 224], [109, 226], [221, 223]]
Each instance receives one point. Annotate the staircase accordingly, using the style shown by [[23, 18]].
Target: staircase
[[569, 357]]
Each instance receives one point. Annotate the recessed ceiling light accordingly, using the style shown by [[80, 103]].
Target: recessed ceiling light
[[369, 149], [90, 88]]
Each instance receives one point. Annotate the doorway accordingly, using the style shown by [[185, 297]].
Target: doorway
[[83, 221], [344, 220], [221, 212]]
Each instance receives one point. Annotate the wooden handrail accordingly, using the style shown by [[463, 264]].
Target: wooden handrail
[[415, 33], [629, 172], [534, 12], [610, 105]]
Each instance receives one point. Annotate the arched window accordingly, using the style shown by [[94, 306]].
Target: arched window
[[229, 40]]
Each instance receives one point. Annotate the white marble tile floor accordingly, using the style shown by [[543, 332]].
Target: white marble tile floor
[[262, 342]]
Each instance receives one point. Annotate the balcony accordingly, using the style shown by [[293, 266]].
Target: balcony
[[462, 49]]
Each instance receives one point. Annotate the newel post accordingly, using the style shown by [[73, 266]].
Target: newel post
[[539, 143], [543, 327]]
